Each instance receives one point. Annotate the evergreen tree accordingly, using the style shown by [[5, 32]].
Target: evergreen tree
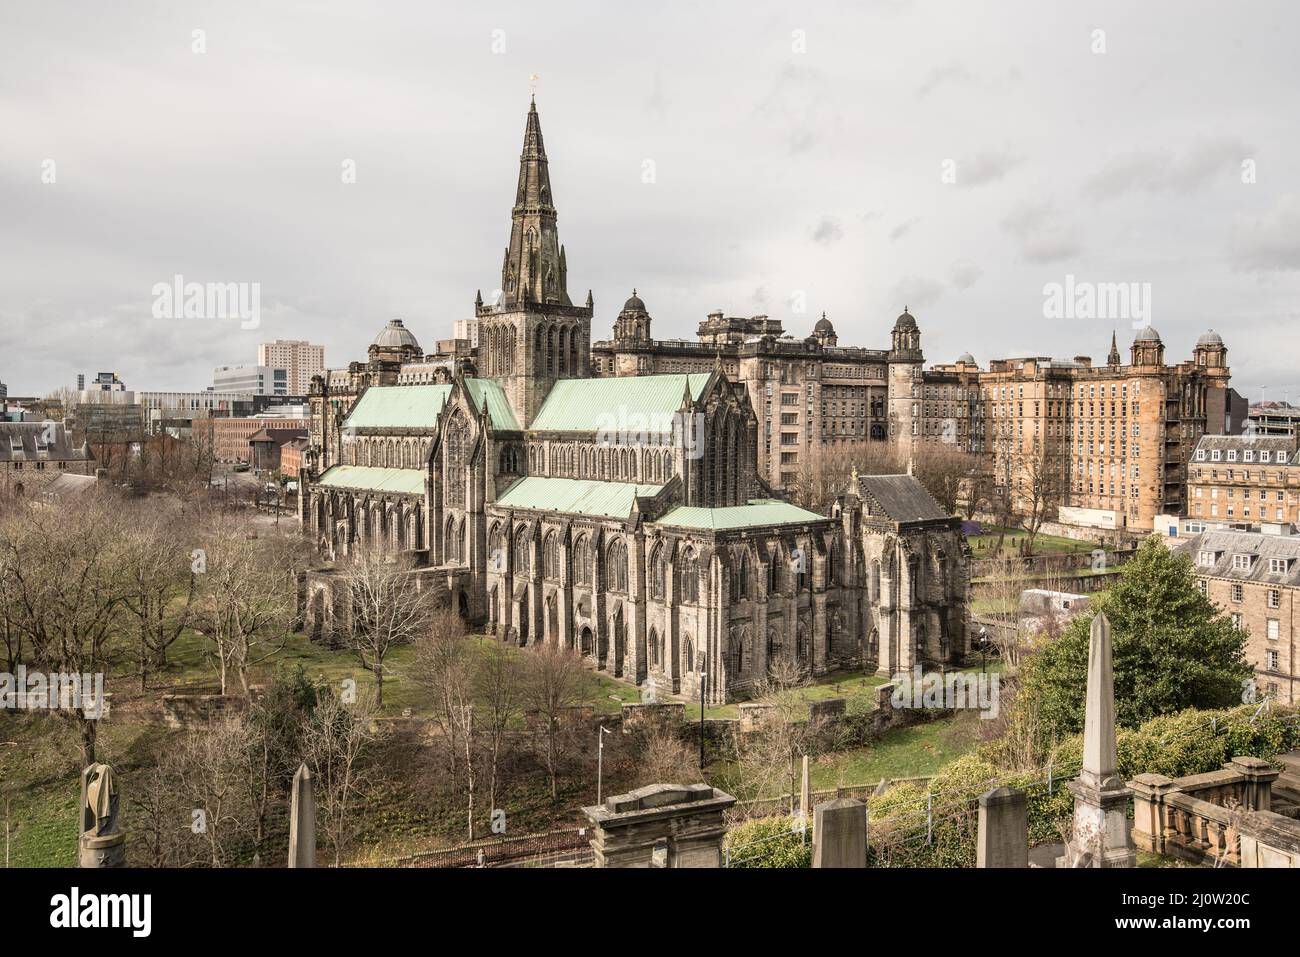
[[1172, 648]]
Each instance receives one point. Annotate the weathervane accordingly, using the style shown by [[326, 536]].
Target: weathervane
[[532, 83]]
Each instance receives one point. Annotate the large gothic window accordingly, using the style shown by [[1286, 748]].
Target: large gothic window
[[616, 566], [658, 570], [523, 542], [551, 555], [582, 561], [689, 579], [457, 461], [497, 550]]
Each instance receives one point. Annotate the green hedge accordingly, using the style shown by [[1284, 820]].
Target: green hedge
[[782, 845]]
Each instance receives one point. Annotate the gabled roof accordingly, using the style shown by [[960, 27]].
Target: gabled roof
[[619, 402], [277, 436], [758, 513], [498, 406], [575, 496], [398, 407], [369, 479], [900, 498]]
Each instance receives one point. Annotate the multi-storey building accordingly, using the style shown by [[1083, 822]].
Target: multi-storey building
[[1245, 478], [1102, 445], [1255, 578], [625, 516], [300, 359], [1273, 418], [259, 380], [813, 396]]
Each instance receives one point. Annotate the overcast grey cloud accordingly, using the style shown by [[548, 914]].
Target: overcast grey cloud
[[225, 166]]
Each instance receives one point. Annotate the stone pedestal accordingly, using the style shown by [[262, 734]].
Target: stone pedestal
[[662, 825], [1003, 838], [107, 850], [840, 834]]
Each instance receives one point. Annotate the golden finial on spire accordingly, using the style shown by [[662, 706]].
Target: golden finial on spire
[[532, 83]]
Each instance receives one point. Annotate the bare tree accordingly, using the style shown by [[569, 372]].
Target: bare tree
[[946, 471], [247, 597], [444, 665], [208, 770], [386, 607], [63, 593], [665, 759], [335, 741], [1039, 486], [499, 689], [767, 761], [556, 682], [160, 584]]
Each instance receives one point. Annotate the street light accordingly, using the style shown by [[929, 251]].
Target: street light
[[600, 758], [984, 643]]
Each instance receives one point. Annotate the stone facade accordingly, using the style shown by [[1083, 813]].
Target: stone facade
[[626, 518], [34, 454], [1255, 578], [1244, 478]]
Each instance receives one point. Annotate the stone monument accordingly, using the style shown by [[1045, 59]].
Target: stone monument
[[302, 821], [1101, 835], [102, 842]]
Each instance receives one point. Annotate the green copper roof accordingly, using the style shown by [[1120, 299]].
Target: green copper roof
[[401, 481], [592, 405], [498, 406], [758, 513], [575, 496], [398, 407]]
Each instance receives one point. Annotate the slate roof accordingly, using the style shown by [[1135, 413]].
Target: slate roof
[[1259, 546], [575, 496], [635, 403], [900, 498], [370, 479], [758, 513], [19, 441], [1243, 443], [498, 406]]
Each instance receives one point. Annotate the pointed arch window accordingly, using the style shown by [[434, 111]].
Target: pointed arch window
[[582, 561], [616, 566], [688, 585]]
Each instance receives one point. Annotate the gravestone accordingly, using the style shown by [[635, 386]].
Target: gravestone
[[1003, 836], [840, 833]]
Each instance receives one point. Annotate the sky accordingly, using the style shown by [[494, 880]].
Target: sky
[[357, 162]]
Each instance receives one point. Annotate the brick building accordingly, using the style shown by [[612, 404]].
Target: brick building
[[1255, 578], [230, 437], [300, 359]]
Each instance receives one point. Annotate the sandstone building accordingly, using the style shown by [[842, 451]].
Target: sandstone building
[[34, 454], [1248, 479], [1255, 578], [623, 516]]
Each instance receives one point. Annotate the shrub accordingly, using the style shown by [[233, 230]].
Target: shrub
[[769, 842]]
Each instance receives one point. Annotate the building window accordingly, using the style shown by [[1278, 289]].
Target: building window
[[1236, 593], [1273, 629], [1273, 661], [1240, 563], [1274, 598]]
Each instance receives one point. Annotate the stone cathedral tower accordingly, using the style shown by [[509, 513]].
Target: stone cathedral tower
[[905, 370], [532, 334]]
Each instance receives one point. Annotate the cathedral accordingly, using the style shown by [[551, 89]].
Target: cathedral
[[624, 516]]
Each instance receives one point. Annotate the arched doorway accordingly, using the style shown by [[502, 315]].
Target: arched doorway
[[586, 642], [462, 604], [523, 620]]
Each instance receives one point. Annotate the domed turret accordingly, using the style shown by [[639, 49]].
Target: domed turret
[[906, 339], [633, 323], [1210, 351], [395, 341], [824, 332], [1148, 348]]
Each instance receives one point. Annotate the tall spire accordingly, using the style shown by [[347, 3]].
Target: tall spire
[[535, 268], [1113, 359]]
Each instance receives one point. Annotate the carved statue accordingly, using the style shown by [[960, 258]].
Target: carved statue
[[102, 843]]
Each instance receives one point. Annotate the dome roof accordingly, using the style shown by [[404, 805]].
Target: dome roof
[[824, 325], [967, 358], [634, 304], [905, 321], [1147, 335], [395, 336], [1210, 338]]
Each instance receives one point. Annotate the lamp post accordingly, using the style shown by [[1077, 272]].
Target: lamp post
[[984, 643], [600, 759], [704, 686]]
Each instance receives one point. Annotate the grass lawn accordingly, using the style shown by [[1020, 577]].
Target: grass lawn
[[914, 751], [982, 545]]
